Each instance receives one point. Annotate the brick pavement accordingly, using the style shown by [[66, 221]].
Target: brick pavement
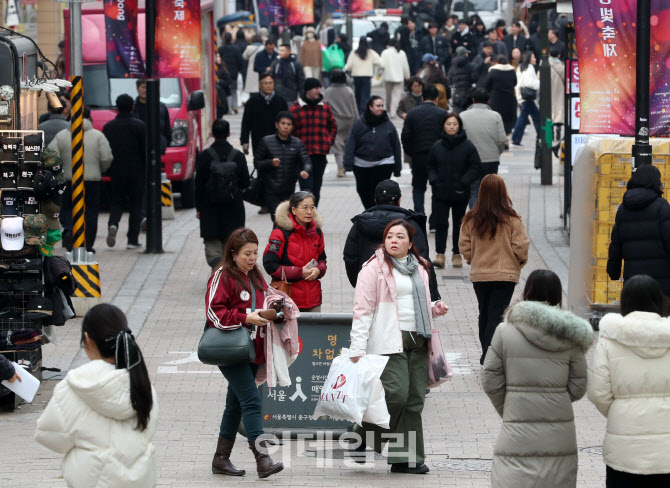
[[163, 295]]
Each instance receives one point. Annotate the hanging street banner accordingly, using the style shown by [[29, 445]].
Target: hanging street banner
[[124, 59], [286, 12], [606, 49], [349, 6], [177, 46]]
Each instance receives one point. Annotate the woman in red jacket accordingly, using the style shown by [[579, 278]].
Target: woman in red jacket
[[296, 251], [230, 305]]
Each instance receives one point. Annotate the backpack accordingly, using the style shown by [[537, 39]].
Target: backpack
[[223, 183]]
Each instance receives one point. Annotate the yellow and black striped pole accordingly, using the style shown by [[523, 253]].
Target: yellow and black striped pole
[[77, 125]]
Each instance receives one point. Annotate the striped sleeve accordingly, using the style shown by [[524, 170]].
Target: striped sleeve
[[217, 302]]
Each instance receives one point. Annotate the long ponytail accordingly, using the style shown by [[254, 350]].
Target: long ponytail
[[107, 326]]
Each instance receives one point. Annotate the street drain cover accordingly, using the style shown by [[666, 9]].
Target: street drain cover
[[595, 450], [475, 465]]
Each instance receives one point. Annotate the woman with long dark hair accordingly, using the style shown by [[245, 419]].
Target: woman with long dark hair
[[534, 370], [527, 89], [495, 244], [373, 150], [453, 164], [500, 84], [628, 383], [393, 316], [641, 232], [234, 291], [361, 63], [103, 415]]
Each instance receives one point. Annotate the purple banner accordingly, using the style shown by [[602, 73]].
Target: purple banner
[[124, 59]]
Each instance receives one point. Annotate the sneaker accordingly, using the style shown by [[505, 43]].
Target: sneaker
[[143, 225], [404, 468], [341, 173], [111, 235], [133, 245], [439, 261], [457, 261]]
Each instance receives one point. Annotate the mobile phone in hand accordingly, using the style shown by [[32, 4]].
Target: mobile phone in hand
[[312, 264]]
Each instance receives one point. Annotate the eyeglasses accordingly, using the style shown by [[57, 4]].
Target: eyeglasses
[[305, 208]]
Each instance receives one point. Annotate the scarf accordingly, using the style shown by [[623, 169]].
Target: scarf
[[411, 269], [268, 98]]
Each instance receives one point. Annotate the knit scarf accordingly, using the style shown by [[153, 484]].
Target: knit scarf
[[411, 269]]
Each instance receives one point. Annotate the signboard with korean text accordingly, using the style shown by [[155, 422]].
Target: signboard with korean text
[[124, 59], [606, 47], [290, 408], [177, 39]]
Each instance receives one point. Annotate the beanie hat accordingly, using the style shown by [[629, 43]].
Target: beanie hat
[[311, 83]]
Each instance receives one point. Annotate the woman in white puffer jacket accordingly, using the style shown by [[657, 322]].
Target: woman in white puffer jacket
[[629, 382], [527, 81], [103, 415]]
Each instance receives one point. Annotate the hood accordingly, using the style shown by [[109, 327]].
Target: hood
[[284, 218], [291, 58], [374, 220], [646, 334], [502, 67], [103, 388], [462, 60], [451, 141], [88, 125], [374, 120], [550, 328], [302, 101], [639, 198]]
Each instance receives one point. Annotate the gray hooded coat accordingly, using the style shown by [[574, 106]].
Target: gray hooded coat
[[534, 369]]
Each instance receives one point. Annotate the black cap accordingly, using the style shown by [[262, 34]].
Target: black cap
[[311, 83], [487, 44], [387, 191]]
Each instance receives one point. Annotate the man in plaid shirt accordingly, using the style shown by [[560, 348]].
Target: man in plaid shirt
[[315, 126]]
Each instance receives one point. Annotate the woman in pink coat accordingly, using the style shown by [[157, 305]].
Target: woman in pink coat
[[392, 316]]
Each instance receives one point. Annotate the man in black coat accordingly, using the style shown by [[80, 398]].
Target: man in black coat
[[265, 57], [282, 158], [367, 232], [422, 128], [380, 37], [516, 39], [289, 74], [436, 44], [126, 135], [464, 38], [140, 111], [232, 56], [409, 42], [462, 76], [218, 221], [260, 113]]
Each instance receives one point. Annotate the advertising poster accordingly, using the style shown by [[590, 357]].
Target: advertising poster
[[349, 6], [124, 59], [177, 39], [606, 47], [286, 12]]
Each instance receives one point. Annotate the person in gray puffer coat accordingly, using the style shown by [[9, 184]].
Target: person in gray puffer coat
[[534, 369]]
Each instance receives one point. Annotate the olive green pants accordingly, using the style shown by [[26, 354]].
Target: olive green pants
[[404, 380]]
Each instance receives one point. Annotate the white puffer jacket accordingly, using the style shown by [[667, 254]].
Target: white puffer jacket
[[629, 382], [91, 420], [527, 79]]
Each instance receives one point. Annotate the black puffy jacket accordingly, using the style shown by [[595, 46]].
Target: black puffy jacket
[[280, 181], [373, 139], [462, 76], [641, 238], [367, 234], [453, 165], [422, 128]]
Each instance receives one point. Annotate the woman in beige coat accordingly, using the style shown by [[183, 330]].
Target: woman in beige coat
[[533, 371], [494, 243], [629, 382]]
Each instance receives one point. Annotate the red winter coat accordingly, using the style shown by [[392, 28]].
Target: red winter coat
[[291, 247], [227, 306]]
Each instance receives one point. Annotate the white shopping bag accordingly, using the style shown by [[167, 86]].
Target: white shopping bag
[[377, 412], [349, 388]]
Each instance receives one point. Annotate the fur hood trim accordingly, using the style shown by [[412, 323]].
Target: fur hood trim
[[283, 220], [549, 327], [637, 329], [502, 67]]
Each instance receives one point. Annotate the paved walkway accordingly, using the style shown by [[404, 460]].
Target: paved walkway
[[163, 297]]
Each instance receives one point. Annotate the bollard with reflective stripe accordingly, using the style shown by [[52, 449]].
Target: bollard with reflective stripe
[[166, 194], [87, 278], [77, 125]]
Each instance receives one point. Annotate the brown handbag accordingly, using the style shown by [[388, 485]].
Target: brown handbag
[[282, 285]]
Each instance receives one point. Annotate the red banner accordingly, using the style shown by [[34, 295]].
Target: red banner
[[178, 53], [606, 48], [286, 12]]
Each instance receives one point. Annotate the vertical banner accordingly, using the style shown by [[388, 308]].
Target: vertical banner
[[349, 6], [124, 59], [286, 12], [271, 12], [177, 43], [606, 47], [299, 12]]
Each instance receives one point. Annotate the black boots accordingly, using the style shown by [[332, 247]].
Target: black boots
[[221, 463], [264, 464]]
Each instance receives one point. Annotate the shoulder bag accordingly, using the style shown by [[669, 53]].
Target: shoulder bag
[[253, 194], [232, 347], [282, 285]]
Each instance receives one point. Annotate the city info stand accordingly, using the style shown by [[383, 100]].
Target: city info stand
[[286, 411]]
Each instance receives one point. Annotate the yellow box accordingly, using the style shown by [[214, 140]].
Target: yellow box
[[599, 274], [609, 198], [612, 181], [600, 263], [614, 291], [606, 216], [617, 167], [602, 228], [601, 246], [599, 292]]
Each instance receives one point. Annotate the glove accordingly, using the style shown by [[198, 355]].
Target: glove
[[245, 148]]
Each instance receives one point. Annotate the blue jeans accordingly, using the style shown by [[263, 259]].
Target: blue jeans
[[362, 89], [243, 402], [527, 108]]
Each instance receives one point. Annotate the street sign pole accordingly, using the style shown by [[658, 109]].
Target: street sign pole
[[546, 127], [642, 148], [153, 174]]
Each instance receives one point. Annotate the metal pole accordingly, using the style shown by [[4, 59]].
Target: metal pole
[[465, 9], [546, 128], [567, 131], [642, 148], [77, 130], [154, 223]]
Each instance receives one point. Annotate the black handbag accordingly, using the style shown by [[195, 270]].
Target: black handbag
[[226, 348], [528, 93], [253, 194]]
